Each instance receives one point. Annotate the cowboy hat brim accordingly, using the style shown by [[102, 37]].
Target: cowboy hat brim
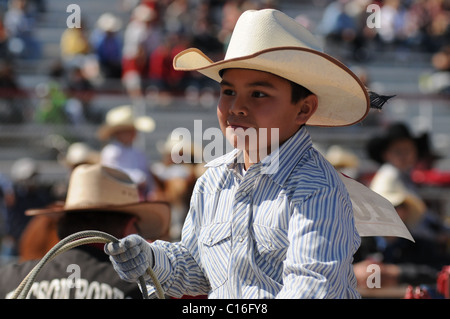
[[154, 217], [106, 131], [343, 98], [143, 124]]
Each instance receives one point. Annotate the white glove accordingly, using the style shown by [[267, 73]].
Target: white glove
[[130, 257]]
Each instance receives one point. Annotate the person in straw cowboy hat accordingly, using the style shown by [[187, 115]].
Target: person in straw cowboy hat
[[401, 261], [99, 198], [119, 132], [273, 226], [41, 235]]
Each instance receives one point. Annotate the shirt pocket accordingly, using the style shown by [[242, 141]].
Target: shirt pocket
[[215, 249], [271, 243]]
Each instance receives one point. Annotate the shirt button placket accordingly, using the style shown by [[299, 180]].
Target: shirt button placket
[[242, 210]]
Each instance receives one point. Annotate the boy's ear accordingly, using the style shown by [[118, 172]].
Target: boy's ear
[[307, 107]]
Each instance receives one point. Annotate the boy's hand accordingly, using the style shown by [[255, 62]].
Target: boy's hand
[[130, 257]]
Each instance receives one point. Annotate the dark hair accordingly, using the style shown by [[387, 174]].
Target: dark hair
[[110, 222], [299, 92]]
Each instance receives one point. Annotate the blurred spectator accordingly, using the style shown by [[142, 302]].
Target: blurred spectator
[[107, 44], [76, 154], [65, 97], [393, 21], [75, 47], [345, 22], [142, 36], [79, 153], [231, 11], [20, 25], [432, 20], [204, 37], [14, 106], [344, 160], [443, 282], [28, 192], [402, 261], [413, 263], [337, 23], [161, 74], [438, 81], [177, 17], [52, 99], [98, 198], [5, 53], [41, 233], [396, 151], [406, 157], [419, 25], [425, 173], [119, 132], [176, 179], [80, 92]]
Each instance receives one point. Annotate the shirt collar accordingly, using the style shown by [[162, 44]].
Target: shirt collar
[[278, 164]]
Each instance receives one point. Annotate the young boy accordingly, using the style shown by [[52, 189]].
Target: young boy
[[255, 232]]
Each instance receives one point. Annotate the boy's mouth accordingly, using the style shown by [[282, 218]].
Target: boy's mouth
[[237, 125]]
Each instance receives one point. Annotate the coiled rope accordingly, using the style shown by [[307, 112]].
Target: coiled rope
[[71, 241]]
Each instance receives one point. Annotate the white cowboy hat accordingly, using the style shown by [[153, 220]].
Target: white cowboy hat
[[108, 22], [23, 169], [269, 40], [143, 13], [340, 157], [122, 117], [80, 153], [387, 183], [104, 189]]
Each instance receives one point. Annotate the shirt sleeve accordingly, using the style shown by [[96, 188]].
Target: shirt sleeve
[[177, 265], [322, 240]]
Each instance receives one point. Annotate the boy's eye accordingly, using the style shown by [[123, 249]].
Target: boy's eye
[[258, 94], [228, 92]]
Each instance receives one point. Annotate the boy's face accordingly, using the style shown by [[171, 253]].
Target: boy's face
[[254, 100]]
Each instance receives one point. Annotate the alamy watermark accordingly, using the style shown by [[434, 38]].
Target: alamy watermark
[[74, 19], [374, 19], [258, 144], [73, 280], [374, 279]]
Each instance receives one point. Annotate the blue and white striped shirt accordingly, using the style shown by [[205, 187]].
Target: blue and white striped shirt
[[289, 234]]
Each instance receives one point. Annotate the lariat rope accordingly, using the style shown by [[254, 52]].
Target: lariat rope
[[71, 241]]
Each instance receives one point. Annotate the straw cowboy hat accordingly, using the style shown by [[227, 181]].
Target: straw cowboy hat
[[80, 153], [340, 157], [122, 117], [388, 184], [268, 40], [104, 189]]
